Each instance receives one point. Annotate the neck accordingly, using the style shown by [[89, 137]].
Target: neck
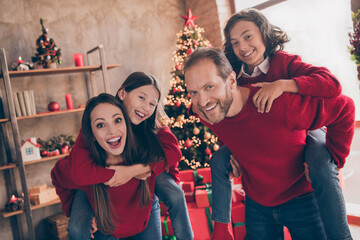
[[240, 97], [114, 160]]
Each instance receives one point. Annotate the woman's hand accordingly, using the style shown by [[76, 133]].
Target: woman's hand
[[93, 227], [236, 171], [120, 177]]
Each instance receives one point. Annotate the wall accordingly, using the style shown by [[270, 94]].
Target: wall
[[140, 35]]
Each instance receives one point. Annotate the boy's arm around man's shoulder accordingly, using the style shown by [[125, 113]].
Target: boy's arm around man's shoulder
[[337, 114]]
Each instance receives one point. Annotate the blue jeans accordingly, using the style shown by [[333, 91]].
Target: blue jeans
[[173, 196], [81, 216], [324, 182], [300, 215]]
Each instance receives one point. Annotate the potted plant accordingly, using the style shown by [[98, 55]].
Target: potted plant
[[355, 41]]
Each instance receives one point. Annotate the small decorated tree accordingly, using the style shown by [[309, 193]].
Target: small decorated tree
[[196, 141], [355, 39], [47, 51]]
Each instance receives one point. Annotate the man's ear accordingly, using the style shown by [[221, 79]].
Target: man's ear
[[232, 80], [121, 94]]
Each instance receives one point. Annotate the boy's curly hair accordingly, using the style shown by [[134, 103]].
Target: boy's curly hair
[[273, 37]]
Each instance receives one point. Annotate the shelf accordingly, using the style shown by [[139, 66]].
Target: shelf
[[46, 114], [33, 207], [44, 159], [48, 71], [3, 120]]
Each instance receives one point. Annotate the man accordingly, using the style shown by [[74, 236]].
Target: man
[[269, 147]]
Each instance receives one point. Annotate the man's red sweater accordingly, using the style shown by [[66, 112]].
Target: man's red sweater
[[270, 146], [78, 171]]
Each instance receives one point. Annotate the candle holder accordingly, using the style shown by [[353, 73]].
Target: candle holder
[[15, 204], [79, 59]]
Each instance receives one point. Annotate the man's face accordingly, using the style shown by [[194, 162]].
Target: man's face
[[210, 94]]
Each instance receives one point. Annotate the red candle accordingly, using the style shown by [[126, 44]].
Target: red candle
[[79, 59], [13, 198], [20, 60], [69, 101]]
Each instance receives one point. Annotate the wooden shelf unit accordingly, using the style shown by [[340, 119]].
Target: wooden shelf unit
[[13, 158]]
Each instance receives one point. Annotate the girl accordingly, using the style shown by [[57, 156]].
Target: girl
[[140, 95], [254, 48], [120, 211]]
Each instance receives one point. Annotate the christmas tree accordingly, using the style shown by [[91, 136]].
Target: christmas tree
[[196, 141], [47, 51]]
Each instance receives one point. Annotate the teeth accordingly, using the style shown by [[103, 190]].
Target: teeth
[[247, 54], [140, 114], [211, 107], [114, 139]]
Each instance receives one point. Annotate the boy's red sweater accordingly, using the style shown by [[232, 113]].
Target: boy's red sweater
[[270, 146], [78, 171]]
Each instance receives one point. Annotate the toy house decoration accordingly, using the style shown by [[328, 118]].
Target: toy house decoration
[[30, 150]]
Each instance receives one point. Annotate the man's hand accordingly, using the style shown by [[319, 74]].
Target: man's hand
[[236, 172]]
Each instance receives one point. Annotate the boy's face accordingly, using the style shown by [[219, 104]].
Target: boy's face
[[210, 94], [247, 43]]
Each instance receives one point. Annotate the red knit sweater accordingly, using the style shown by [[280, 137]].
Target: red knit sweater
[[78, 171], [270, 147], [312, 81]]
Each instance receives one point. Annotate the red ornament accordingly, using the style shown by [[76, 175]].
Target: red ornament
[[44, 153], [174, 90], [195, 42], [189, 51], [189, 19], [188, 143], [178, 67], [178, 89], [65, 149], [188, 95], [53, 106], [207, 151], [177, 104]]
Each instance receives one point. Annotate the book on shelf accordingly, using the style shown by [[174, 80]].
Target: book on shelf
[[17, 105], [32, 102], [27, 102], [20, 96]]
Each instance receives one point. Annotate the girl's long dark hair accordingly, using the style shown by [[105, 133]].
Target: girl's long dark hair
[[103, 206], [148, 145], [273, 37]]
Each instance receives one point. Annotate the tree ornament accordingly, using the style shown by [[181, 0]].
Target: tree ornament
[[188, 143], [207, 151], [177, 104], [207, 135], [216, 147], [174, 90], [179, 67], [189, 51], [189, 19], [195, 42], [196, 131]]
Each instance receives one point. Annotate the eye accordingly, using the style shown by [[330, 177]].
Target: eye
[[118, 120], [142, 98], [247, 37], [99, 125], [152, 105], [193, 93], [234, 43], [209, 87]]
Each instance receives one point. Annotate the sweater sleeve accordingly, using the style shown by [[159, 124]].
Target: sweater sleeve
[[337, 114], [171, 148], [312, 81], [83, 169]]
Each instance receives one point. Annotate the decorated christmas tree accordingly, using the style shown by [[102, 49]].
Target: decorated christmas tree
[[196, 141], [47, 51]]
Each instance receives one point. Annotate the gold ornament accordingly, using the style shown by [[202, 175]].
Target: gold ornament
[[216, 147], [196, 131], [207, 135]]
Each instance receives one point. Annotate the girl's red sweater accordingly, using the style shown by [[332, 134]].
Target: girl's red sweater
[[78, 171]]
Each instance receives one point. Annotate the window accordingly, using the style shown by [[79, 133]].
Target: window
[[29, 151]]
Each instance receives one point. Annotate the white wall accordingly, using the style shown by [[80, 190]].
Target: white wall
[[318, 30]]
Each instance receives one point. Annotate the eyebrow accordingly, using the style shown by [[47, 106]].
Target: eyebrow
[[116, 114], [242, 34]]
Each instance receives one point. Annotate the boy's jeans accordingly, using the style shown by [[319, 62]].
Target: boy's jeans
[[323, 174]]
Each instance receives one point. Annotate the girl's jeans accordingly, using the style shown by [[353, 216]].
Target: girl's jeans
[[173, 197], [81, 216], [323, 175]]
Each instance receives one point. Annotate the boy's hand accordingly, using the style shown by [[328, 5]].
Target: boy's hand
[[236, 172], [264, 98]]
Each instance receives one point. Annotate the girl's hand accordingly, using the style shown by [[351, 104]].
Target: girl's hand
[[93, 227], [265, 96], [306, 166], [120, 177], [143, 176], [236, 172]]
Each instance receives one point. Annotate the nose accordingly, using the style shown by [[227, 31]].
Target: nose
[[203, 100]]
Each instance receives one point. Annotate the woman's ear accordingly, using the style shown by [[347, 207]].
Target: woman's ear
[[122, 93]]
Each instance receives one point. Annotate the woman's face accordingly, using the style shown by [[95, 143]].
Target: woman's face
[[109, 128], [140, 103]]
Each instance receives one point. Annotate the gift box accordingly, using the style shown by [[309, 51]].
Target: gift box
[[238, 221], [163, 209], [198, 176], [166, 227], [187, 186], [201, 222], [190, 197], [203, 195]]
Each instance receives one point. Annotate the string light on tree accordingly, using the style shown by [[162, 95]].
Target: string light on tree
[[188, 129]]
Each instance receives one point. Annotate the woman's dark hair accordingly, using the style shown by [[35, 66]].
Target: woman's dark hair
[[103, 206], [273, 37], [148, 146]]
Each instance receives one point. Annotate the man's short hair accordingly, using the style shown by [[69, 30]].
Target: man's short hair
[[216, 55]]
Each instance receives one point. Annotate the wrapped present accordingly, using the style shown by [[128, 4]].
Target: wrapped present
[[187, 186], [190, 197], [287, 234], [203, 195], [201, 222], [238, 221], [166, 227], [163, 209], [198, 176]]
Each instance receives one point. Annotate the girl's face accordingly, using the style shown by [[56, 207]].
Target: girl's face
[[247, 43], [109, 128], [140, 103]]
